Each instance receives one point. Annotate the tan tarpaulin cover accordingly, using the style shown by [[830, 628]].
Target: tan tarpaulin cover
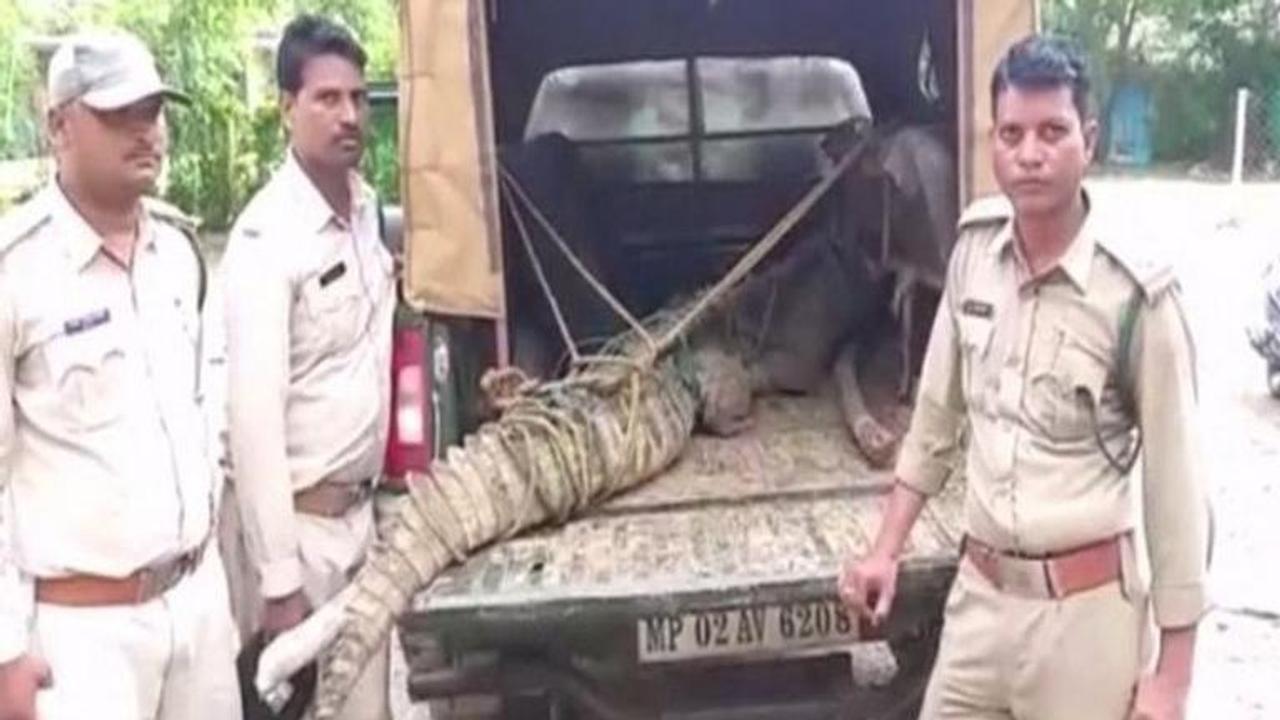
[[451, 225], [987, 28], [451, 235]]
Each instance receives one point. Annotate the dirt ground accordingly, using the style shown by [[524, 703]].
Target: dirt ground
[[1218, 237]]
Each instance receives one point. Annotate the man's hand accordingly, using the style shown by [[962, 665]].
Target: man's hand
[[283, 613], [1163, 695], [1159, 697], [867, 586], [20, 679]]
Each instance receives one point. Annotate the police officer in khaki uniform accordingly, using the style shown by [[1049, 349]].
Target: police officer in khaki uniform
[[309, 298], [1057, 346], [112, 602]]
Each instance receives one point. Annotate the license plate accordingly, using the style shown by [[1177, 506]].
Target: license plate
[[741, 630]]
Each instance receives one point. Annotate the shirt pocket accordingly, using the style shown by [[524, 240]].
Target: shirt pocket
[[975, 341], [183, 329], [335, 304], [1065, 386], [87, 370]]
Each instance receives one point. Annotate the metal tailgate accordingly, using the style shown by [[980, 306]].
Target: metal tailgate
[[733, 551]]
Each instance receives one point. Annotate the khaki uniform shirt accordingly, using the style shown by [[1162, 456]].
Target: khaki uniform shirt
[[309, 301], [1020, 361], [103, 454]]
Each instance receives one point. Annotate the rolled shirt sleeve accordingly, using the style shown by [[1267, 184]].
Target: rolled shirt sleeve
[[1175, 503], [16, 592], [931, 447], [257, 295]]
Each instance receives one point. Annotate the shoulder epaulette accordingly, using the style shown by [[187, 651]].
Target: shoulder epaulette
[[1152, 273], [189, 228], [171, 214], [22, 221], [986, 210]]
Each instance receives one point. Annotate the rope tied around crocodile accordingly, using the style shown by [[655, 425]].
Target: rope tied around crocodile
[[617, 418]]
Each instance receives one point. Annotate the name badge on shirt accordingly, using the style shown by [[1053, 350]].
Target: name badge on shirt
[[333, 273], [977, 308], [75, 326]]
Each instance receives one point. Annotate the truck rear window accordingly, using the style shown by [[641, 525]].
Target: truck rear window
[[713, 118]]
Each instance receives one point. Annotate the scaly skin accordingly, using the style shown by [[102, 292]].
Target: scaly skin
[[616, 423], [508, 477]]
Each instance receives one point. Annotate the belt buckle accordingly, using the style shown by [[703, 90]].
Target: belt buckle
[[360, 492], [365, 489], [146, 586], [187, 563], [158, 580], [1024, 577]]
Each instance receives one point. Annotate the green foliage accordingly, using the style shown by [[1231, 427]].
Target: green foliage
[[223, 146], [19, 128], [374, 22], [1190, 108], [1192, 54], [382, 157]]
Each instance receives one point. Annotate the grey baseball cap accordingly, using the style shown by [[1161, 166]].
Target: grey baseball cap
[[106, 71]]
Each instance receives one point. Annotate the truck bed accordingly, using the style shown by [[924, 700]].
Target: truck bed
[[754, 523]]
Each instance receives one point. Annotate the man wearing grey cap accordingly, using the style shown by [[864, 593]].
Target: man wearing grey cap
[[113, 604]]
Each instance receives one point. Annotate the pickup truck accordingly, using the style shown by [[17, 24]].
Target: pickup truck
[[681, 131]]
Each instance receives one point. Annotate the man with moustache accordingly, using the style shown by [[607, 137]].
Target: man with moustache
[[309, 295], [112, 605], [1065, 352]]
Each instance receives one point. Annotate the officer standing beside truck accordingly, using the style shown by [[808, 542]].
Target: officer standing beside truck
[[309, 299], [1058, 344]]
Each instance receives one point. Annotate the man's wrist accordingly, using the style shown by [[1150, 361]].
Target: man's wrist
[[904, 505], [1177, 655], [886, 547]]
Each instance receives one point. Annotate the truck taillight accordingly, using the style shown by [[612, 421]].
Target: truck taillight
[[411, 439]]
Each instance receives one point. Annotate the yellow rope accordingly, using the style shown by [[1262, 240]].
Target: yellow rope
[[709, 299], [540, 274], [556, 449], [558, 239], [760, 250]]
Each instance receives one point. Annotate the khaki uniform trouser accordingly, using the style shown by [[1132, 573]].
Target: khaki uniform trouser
[[331, 549], [1005, 657], [172, 658]]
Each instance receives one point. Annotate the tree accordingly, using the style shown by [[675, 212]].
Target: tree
[[19, 128], [1193, 54], [224, 146], [1112, 32]]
